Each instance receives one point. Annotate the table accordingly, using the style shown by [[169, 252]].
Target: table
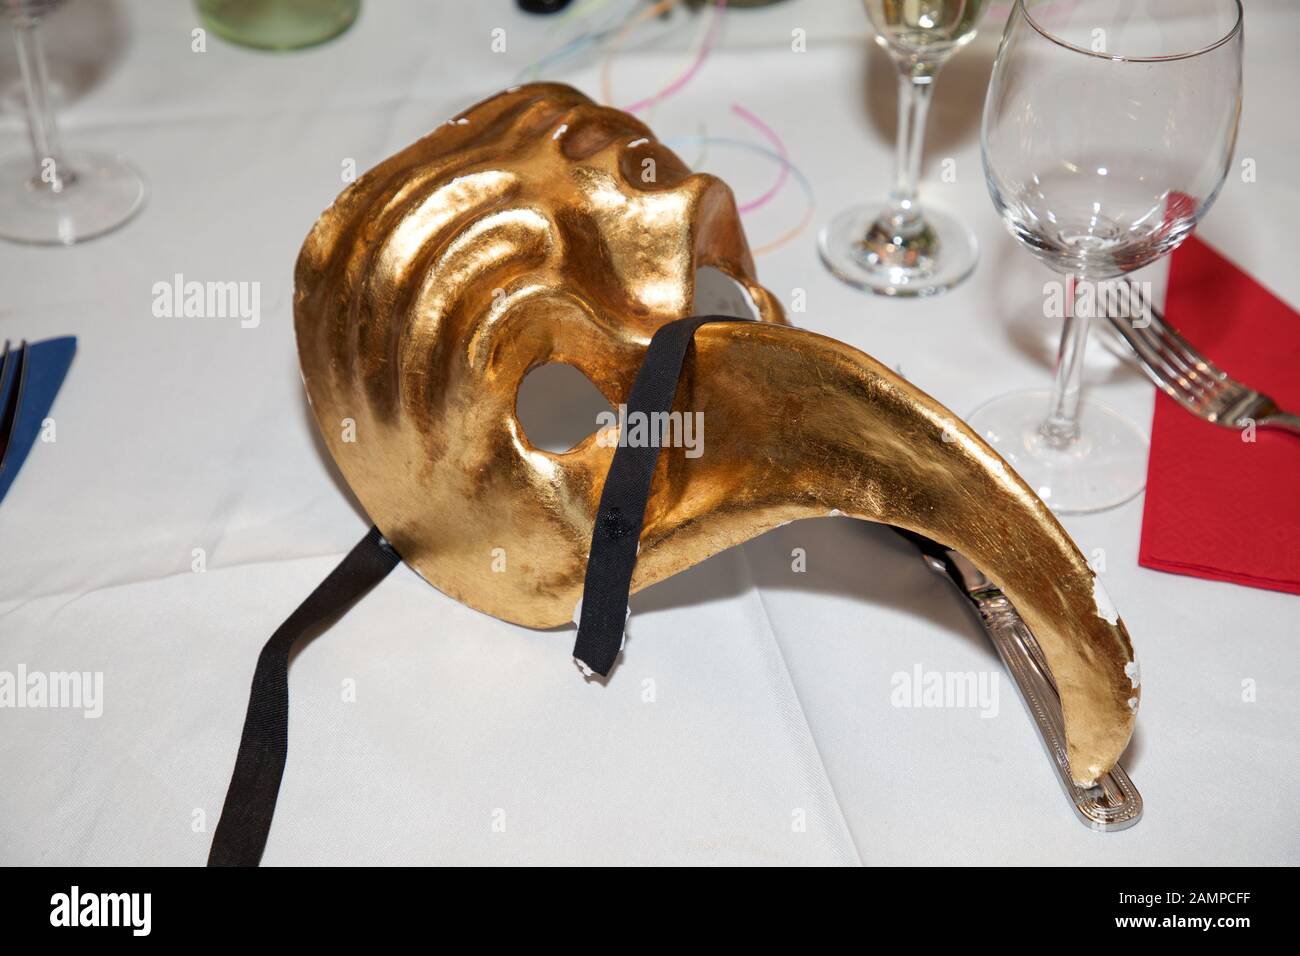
[[751, 719]]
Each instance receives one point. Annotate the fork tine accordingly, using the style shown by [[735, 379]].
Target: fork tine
[[1157, 369], [1151, 331], [1172, 373], [1189, 355], [1176, 367], [11, 367], [1195, 372], [1166, 373]]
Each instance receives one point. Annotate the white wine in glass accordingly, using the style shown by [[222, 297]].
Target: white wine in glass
[[926, 29], [891, 246]]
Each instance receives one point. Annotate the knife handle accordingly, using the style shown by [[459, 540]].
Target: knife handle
[[1113, 803]]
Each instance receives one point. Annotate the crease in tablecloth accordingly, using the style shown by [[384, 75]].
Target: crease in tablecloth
[[795, 717], [10, 605]]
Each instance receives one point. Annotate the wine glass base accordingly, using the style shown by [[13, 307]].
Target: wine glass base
[[1104, 468], [954, 252], [100, 193]]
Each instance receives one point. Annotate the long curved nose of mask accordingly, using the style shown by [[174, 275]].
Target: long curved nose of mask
[[796, 425]]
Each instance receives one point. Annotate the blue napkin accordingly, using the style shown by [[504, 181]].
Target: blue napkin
[[46, 366]]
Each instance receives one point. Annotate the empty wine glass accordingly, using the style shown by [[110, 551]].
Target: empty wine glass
[[891, 246], [54, 196], [1108, 131]]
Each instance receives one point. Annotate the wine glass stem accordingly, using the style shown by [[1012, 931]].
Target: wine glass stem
[[1061, 428], [40, 117], [904, 212]]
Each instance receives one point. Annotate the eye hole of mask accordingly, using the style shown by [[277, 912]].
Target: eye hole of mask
[[557, 407], [717, 293]]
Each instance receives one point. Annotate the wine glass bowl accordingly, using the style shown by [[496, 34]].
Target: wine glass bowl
[[923, 35], [1120, 169], [1108, 131]]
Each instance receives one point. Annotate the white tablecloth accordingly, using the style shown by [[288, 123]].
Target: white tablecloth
[[751, 719]]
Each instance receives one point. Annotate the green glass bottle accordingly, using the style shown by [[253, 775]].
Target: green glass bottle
[[278, 24]]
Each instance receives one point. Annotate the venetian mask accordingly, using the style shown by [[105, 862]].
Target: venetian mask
[[538, 227]]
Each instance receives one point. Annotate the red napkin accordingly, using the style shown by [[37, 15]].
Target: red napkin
[[1219, 507]]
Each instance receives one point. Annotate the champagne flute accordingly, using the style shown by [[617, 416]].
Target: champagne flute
[[891, 247], [54, 196], [1108, 131]]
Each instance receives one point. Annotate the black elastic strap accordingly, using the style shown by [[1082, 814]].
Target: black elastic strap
[[255, 784], [617, 531]]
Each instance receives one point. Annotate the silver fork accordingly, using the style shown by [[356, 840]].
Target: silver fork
[[13, 365], [1184, 374]]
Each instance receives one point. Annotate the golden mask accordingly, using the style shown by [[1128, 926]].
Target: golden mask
[[538, 227]]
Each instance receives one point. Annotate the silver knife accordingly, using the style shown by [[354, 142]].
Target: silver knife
[[1113, 803]]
